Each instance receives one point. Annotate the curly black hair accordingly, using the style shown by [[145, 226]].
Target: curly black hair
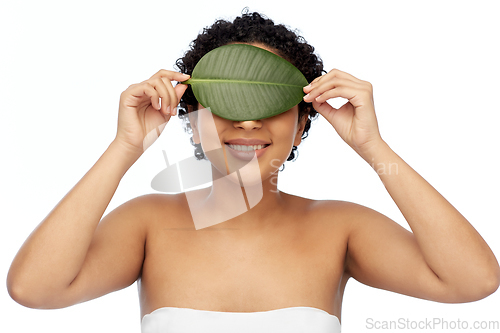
[[251, 27]]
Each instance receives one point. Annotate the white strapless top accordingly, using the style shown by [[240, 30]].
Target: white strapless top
[[299, 319]]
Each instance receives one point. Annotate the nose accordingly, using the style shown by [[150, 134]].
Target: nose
[[248, 124]]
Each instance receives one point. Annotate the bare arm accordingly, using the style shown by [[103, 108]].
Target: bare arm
[[64, 258], [444, 259], [53, 254]]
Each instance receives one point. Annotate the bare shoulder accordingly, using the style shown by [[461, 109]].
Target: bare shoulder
[[381, 253], [150, 205], [334, 218], [358, 223], [144, 210], [336, 211], [347, 221], [348, 213], [116, 253]]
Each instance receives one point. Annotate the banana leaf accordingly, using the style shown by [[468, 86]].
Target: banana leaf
[[244, 82]]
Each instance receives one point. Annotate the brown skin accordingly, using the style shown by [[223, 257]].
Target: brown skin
[[228, 268], [286, 251], [283, 131]]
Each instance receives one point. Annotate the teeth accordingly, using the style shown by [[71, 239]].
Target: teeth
[[246, 148]]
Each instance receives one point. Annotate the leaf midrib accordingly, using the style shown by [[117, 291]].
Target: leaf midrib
[[241, 81]]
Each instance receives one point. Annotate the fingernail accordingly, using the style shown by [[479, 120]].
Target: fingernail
[[306, 96], [168, 109], [308, 86]]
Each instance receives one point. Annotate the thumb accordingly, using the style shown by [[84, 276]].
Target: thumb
[[325, 109], [179, 90]]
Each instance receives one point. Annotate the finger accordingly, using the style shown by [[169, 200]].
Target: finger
[[338, 73], [326, 85], [325, 109], [334, 73], [321, 107], [145, 89], [309, 87], [166, 117], [172, 95], [179, 89], [162, 90], [345, 92], [317, 79], [171, 75], [336, 82]]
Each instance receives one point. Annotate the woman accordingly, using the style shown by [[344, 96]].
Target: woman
[[287, 259]]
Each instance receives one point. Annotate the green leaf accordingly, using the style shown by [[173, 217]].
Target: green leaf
[[244, 82]]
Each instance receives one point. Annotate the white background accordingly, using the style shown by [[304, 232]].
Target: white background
[[433, 64]]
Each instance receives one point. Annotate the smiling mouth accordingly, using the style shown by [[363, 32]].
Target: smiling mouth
[[247, 148]]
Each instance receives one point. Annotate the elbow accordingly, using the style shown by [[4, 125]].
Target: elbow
[[17, 289], [14, 289], [486, 285], [20, 295], [31, 295], [29, 300], [488, 280], [477, 288], [36, 298], [493, 282]]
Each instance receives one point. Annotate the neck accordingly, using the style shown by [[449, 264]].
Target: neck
[[237, 202]]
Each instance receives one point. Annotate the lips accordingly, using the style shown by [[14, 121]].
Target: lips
[[247, 155], [247, 142]]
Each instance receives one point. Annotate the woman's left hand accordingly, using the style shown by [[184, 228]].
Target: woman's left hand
[[355, 121]]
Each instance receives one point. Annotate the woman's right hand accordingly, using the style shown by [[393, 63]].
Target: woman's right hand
[[140, 111]]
